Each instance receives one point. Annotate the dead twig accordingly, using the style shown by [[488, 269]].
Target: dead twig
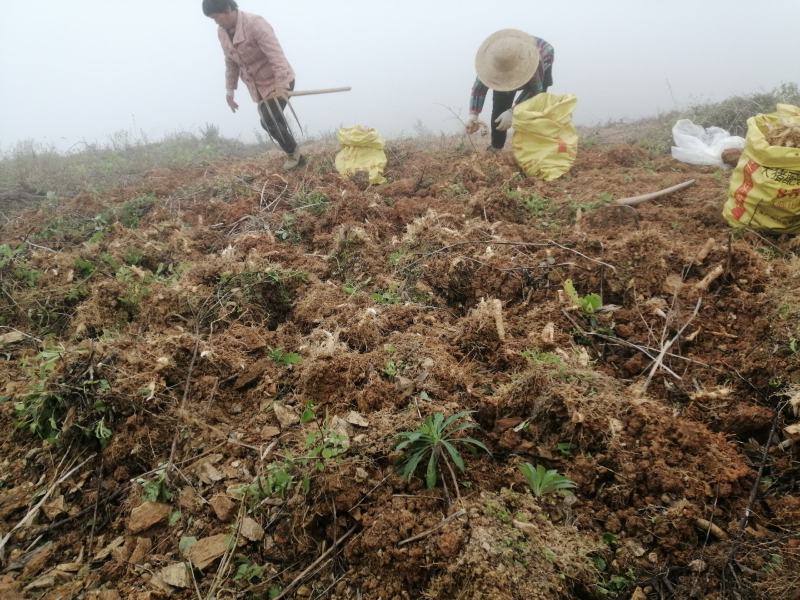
[[659, 362], [171, 461], [297, 580], [428, 532], [31, 514], [748, 511], [547, 244]]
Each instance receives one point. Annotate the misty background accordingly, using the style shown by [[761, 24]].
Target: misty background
[[74, 71]]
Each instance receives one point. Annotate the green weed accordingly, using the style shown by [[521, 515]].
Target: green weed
[[248, 571], [156, 488], [314, 202], [132, 212], [287, 359], [534, 203], [389, 296], [536, 357], [83, 268], [437, 441], [543, 482], [589, 304]]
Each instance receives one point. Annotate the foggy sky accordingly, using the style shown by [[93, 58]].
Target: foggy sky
[[74, 70]]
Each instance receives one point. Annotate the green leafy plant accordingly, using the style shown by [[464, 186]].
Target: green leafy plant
[[534, 203], [133, 257], [565, 448], [589, 304], [156, 489], [390, 369], [27, 275], [315, 202], [247, 571], [8, 254], [351, 288], [543, 481], [542, 358], [437, 441], [130, 213], [287, 359], [286, 232], [83, 267], [40, 410], [276, 482], [396, 257], [389, 296], [308, 413]]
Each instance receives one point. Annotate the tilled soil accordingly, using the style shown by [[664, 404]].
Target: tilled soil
[[203, 377]]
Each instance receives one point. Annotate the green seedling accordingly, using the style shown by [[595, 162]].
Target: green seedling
[[543, 482], [287, 359], [588, 304], [437, 442]]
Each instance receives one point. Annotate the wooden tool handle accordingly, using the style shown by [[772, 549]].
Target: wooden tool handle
[[318, 92]]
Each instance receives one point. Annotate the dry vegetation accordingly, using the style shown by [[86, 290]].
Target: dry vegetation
[[214, 380]]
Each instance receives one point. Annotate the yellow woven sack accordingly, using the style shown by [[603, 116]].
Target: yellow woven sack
[[545, 141], [362, 150], [765, 186]]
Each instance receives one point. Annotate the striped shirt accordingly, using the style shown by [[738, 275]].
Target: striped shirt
[[542, 79]]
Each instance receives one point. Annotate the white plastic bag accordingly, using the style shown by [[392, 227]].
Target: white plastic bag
[[698, 146]]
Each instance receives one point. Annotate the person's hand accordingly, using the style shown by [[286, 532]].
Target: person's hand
[[231, 102], [281, 93], [472, 124], [504, 121]]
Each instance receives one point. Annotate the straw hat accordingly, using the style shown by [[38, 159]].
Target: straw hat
[[507, 60]]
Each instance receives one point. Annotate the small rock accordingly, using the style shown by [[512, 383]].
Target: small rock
[[144, 516], [269, 432], [208, 549], [653, 557], [14, 500], [103, 595], [141, 549], [42, 583], [286, 416], [10, 588], [106, 551], [635, 548], [638, 594], [55, 508], [209, 474], [304, 591], [698, 566], [527, 528], [361, 474], [223, 507], [188, 499], [251, 530], [253, 374], [37, 562], [176, 575], [356, 418]]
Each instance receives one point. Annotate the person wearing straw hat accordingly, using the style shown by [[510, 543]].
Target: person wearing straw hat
[[508, 62], [252, 52]]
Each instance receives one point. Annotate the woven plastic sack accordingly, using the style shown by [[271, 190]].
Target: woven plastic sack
[[765, 186], [545, 141], [362, 150]]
